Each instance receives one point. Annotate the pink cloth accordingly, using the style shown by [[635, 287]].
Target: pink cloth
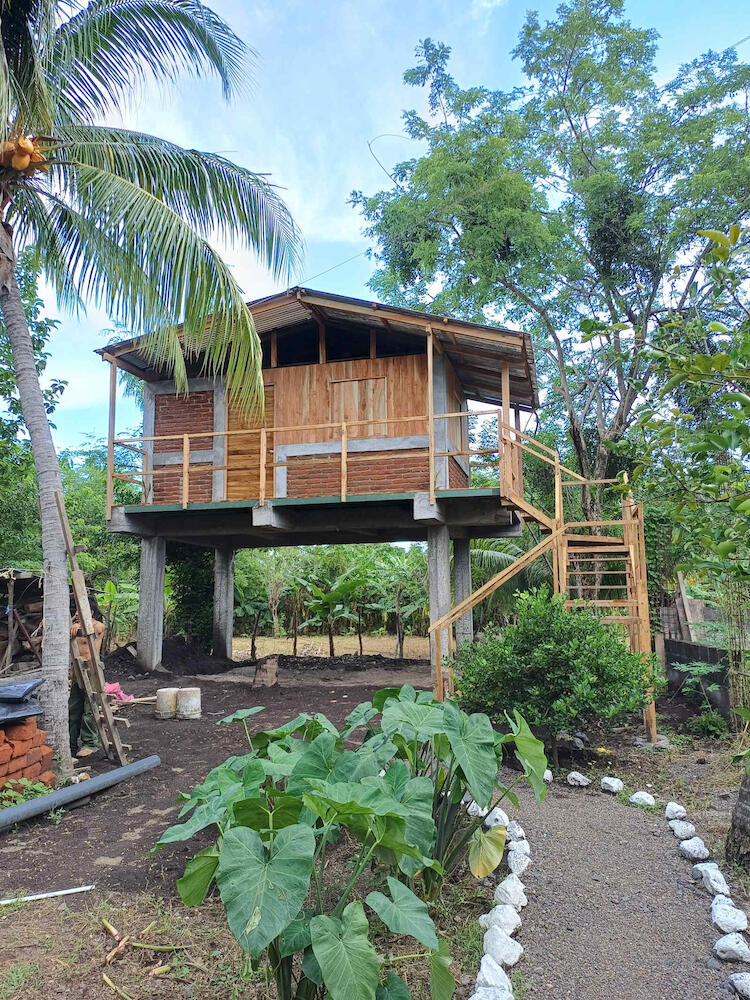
[[118, 692]]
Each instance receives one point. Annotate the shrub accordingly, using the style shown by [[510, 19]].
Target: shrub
[[300, 793], [560, 669]]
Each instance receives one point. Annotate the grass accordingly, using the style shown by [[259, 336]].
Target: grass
[[13, 979]]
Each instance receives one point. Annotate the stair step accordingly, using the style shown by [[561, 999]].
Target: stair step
[[595, 539]]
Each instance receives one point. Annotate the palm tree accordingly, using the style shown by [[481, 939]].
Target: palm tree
[[123, 219]]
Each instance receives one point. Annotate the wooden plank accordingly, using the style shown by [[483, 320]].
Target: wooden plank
[[344, 449], [262, 468], [506, 477], [185, 470], [431, 413], [111, 437], [274, 349]]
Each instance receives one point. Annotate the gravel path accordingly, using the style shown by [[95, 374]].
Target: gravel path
[[613, 911]]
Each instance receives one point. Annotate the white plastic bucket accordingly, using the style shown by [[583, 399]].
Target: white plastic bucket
[[188, 703], [166, 703]]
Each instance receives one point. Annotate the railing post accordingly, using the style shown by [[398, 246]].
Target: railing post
[[507, 482], [111, 436], [262, 483], [430, 414], [185, 469], [439, 688], [343, 462], [559, 551]]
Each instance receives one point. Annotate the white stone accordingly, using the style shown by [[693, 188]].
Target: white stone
[[475, 811], [674, 810], [548, 776], [613, 785], [520, 847], [694, 849], [701, 867], [501, 946], [515, 831], [511, 890], [578, 780], [726, 916], [496, 818], [715, 882], [503, 916], [681, 829], [491, 975], [642, 799], [518, 863], [732, 948], [491, 993], [740, 983]]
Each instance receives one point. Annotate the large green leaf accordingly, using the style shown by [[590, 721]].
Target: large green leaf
[[368, 760], [530, 752], [442, 983], [347, 959], [240, 715], [359, 716], [262, 890], [205, 815], [486, 850], [412, 720], [199, 873], [404, 913], [315, 763], [394, 988], [472, 741]]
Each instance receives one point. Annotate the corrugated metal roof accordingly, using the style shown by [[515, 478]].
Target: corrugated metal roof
[[475, 350]]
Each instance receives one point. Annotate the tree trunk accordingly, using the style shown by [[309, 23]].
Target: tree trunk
[[331, 651], [359, 630], [294, 632], [53, 694], [738, 838]]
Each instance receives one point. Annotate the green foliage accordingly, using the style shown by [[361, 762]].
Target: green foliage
[[280, 809], [561, 669], [564, 205], [710, 724], [24, 790], [192, 581], [329, 605]]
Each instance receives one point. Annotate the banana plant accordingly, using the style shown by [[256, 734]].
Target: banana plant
[[278, 811]]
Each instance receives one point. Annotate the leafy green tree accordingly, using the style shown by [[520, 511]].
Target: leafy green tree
[[122, 218], [565, 204]]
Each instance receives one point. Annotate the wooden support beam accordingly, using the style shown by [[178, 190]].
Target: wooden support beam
[[344, 446], [431, 411], [111, 435], [185, 470], [274, 349]]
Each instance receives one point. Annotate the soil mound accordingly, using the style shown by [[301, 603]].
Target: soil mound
[[181, 658]]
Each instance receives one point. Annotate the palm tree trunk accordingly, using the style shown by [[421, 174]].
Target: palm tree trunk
[[53, 694], [738, 838]]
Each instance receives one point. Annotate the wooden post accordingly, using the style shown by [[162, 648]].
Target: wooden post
[[506, 485], [559, 553], [343, 462], [518, 465], [262, 483], [431, 413], [321, 343], [640, 631], [274, 349], [439, 688], [185, 469], [11, 625], [111, 436]]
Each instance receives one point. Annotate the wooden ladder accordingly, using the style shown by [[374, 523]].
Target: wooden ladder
[[88, 670]]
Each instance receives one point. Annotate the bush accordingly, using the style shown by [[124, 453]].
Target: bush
[[560, 669]]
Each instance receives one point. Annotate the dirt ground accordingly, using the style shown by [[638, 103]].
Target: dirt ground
[[612, 911], [416, 647]]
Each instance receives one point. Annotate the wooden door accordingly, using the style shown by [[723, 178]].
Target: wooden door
[[360, 399], [243, 454]]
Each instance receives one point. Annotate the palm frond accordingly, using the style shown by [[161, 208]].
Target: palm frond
[[108, 46], [25, 97], [217, 197]]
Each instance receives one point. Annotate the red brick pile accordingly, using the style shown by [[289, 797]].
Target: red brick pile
[[24, 754]]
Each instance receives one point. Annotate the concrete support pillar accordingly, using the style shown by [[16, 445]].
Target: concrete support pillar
[[223, 602], [439, 574], [151, 602], [462, 588]]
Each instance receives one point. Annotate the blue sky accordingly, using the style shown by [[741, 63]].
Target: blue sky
[[327, 81]]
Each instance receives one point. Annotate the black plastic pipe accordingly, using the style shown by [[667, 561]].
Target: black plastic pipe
[[63, 796]]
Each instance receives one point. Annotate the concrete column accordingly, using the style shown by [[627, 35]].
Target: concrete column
[[223, 602], [151, 602], [462, 588], [439, 574]]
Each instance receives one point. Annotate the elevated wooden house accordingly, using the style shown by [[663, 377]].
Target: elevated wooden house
[[365, 437]]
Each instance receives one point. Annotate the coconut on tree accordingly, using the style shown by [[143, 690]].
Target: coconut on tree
[[122, 219]]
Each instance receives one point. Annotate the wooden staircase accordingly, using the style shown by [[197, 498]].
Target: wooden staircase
[[600, 564]]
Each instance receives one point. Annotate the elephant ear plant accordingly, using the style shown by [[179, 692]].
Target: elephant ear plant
[[306, 795]]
